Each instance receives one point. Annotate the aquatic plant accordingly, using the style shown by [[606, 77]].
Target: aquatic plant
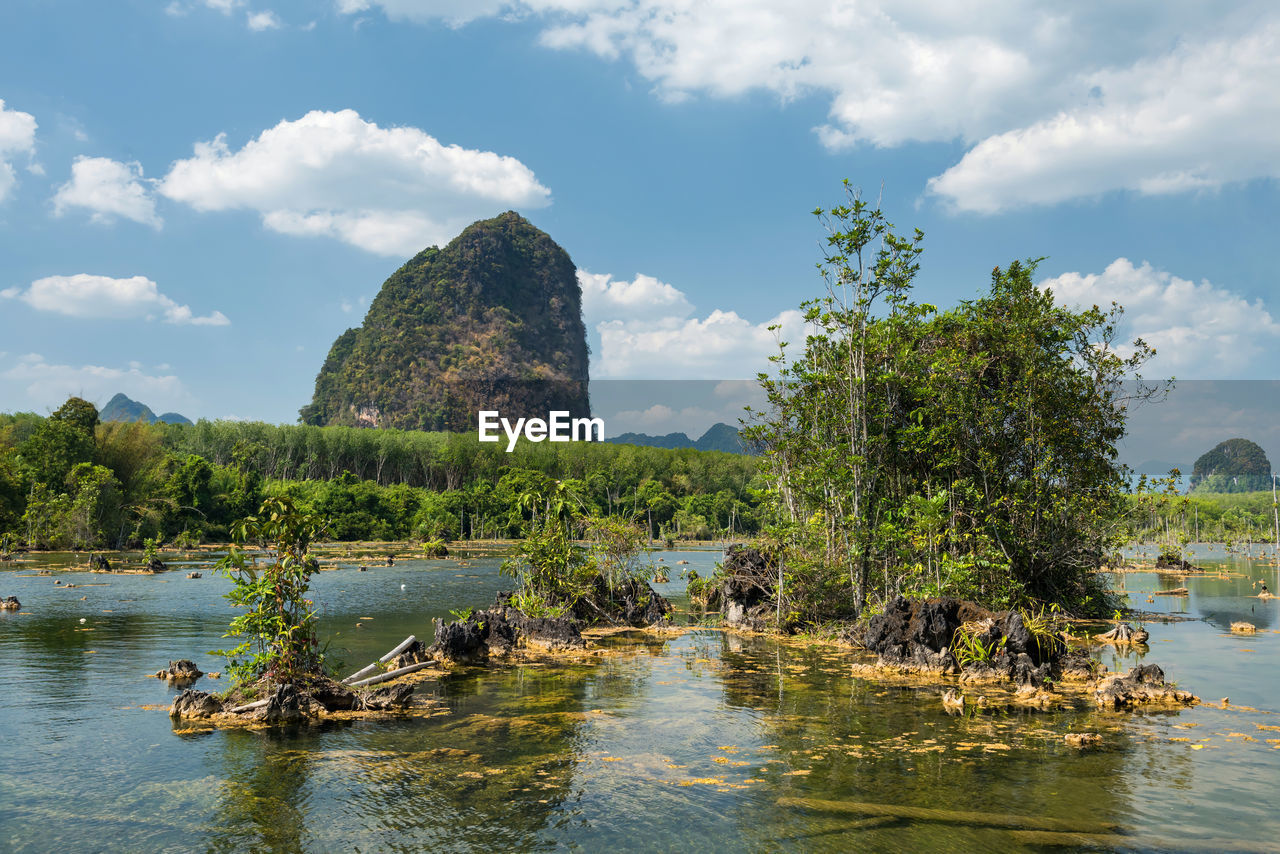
[[278, 625]]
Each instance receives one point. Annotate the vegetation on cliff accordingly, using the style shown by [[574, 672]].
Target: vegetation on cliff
[[1236, 465], [491, 321]]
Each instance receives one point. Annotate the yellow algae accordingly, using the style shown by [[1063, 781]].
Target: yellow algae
[[799, 772]]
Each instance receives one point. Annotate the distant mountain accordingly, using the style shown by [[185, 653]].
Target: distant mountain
[[1236, 465], [1158, 468], [671, 440], [122, 408], [493, 321], [719, 437]]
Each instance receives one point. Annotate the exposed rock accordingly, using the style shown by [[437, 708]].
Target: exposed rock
[[1243, 628], [333, 697], [195, 704], [1142, 685], [183, 670], [414, 653], [747, 591], [10, 604], [193, 575], [1123, 634], [498, 630], [1177, 591], [1167, 562], [386, 697], [284, 706], [99, 563], [461, 642], [632, 603], [156, 565]]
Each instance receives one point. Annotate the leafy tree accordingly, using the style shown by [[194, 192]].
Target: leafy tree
[[279, 623], [970, 451]]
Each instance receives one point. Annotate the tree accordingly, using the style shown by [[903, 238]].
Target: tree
[[970, 451], [279, 623]]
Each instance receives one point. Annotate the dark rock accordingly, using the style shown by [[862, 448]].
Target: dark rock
[[550, 632], [195, 704], [99, 563], [333, 697], [632, 603], [747, 591], [156, 565], [1142, 685], [415, 653], [284, 706], [386, 697], [10, 604], [183, 670], [461, 642]]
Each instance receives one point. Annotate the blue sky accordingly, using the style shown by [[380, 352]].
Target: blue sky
[[197, 196]]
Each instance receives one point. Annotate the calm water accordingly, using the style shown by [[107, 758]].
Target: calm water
[[703, 742]]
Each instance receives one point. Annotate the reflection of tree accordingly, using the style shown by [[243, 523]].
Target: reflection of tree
[[263, 803], [857, 741], [493, 772]]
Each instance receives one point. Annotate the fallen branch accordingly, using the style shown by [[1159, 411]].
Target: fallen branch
[[249, 707], [405, 644], [390, 674]]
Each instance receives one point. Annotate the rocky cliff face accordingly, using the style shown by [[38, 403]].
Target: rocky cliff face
[[491, 321]]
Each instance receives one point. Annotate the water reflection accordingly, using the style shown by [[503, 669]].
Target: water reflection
[[703, 741]]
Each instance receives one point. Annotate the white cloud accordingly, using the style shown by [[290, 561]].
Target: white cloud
[[1054, 100], [646, 332], [109, 189], [391, 191], [723, 344], [1203, 116], [226, 7], [17, 137], [268, 20], [49, 385], [84, 295], [604, 298], [1199, 330]]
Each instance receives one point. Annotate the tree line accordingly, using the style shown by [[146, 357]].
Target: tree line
[[71, 481]]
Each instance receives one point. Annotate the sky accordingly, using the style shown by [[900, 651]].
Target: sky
[[198, 196]]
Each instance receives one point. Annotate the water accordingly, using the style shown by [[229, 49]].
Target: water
[[703, 741]]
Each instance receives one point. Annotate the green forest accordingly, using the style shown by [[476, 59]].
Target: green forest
[[69, 481]]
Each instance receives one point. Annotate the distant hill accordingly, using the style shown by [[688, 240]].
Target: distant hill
[[122, 408], [493, 321], [719, 437], [1236, 465]]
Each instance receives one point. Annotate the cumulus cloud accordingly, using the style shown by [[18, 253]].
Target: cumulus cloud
[[17, 138], [605, 298], [1199, 330], [645, 331], [1054, 101], [1206, 115], [84, 295], [108, 189], [48, 385], [391, 191], [268, 20]]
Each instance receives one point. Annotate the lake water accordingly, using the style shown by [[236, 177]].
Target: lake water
[[704, 741]]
